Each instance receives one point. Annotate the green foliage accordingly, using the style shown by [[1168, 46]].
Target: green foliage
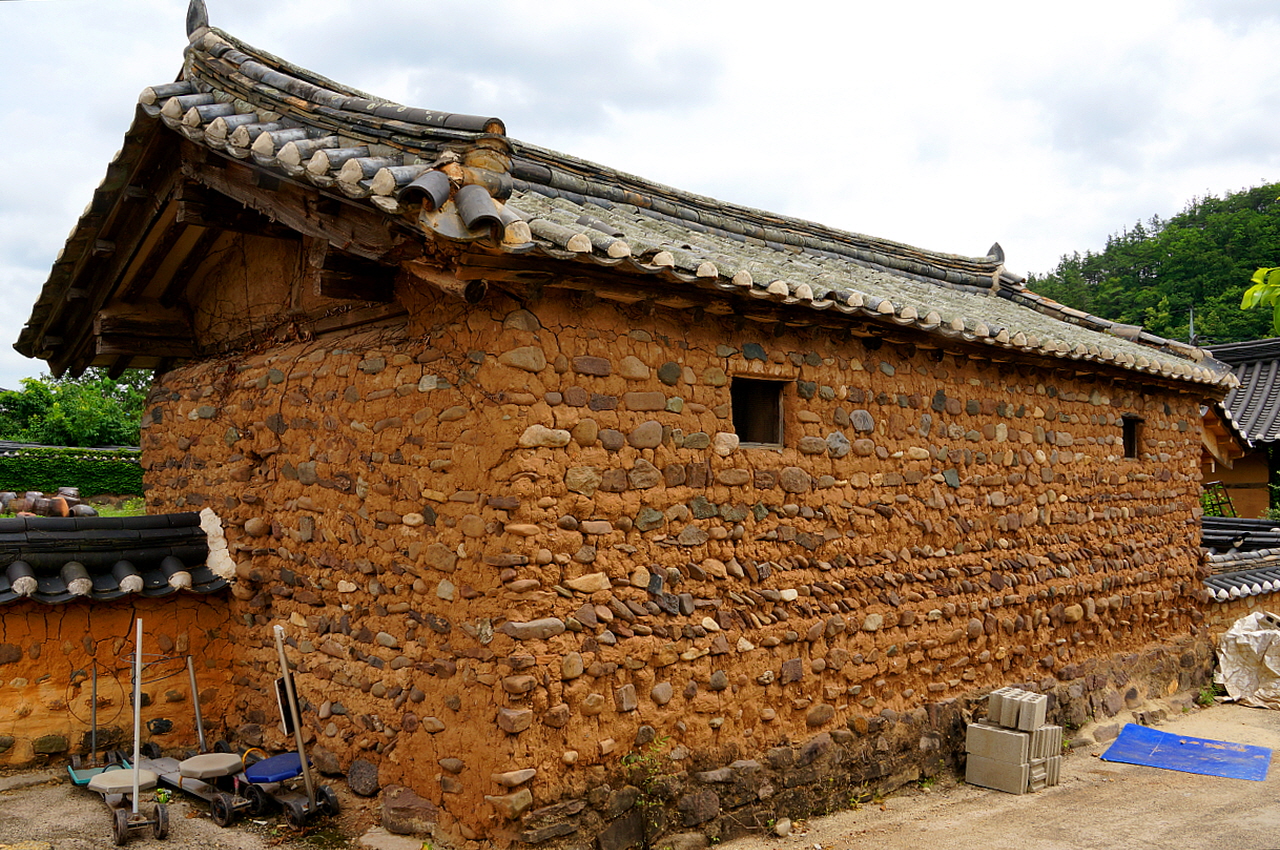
[[92, 410], [1265, 292], [94, 471], [136, 506], [1154, 273], [646, 768]]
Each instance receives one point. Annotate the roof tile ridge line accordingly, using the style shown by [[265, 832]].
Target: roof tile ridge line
[[865, 257], [327, 93], [1044, 304], [334, 121], [286, 67], [548, 157], [1249, 351]]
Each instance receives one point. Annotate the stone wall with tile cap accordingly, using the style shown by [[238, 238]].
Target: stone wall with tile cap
[[46, 653], [532, 526]]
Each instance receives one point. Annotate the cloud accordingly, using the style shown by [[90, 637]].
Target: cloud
[[938, 124]]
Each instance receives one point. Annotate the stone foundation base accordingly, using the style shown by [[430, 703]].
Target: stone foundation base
[[665, 795]]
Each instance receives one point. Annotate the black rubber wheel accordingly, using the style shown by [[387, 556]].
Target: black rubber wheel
[[295, 812], [260, 802], [160, 821], [120, 826], [150, 750], [327, 800], [222, 810], [222, 746]]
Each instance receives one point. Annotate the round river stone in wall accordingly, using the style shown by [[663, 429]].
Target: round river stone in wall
[[529, 358], [793, 479], [647, 435], [862, 421]]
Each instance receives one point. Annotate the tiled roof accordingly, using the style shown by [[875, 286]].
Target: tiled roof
[[56, 560], [1243, 556], [1223, 534], [1262, 576], [461, 178], [1255, 402]]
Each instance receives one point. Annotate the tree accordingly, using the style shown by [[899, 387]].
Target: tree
[[91, 410], [1265, 292], [1155, 272]]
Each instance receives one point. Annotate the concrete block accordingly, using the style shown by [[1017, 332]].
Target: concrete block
[[995, 706], [1046, 741], [1002, 776], [1009, 709], [1031, 711], [996, 743], [1037, 775], [1054, 765]]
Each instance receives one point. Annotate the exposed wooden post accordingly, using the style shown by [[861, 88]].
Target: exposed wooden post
[[471, 291]]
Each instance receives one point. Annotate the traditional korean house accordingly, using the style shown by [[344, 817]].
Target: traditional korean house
[[1254, 406], [598, 509]]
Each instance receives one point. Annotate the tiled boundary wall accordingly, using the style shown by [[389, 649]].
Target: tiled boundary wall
[[1220, 616], [47, 655], [532, 526]]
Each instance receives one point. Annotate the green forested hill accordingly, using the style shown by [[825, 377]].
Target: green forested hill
[[1153, 273]]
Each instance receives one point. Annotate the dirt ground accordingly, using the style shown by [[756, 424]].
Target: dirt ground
[[48, 811], [1097, 804]]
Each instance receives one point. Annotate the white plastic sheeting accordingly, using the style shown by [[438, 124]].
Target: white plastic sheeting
[[1249, 660]]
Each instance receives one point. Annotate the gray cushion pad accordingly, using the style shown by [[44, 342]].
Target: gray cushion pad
[[121, 781], [210, 766]]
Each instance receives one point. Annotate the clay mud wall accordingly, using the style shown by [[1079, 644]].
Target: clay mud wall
[[527, 570], [47, 656]]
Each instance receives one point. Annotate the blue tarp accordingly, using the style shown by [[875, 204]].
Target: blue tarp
[[1150, 747]]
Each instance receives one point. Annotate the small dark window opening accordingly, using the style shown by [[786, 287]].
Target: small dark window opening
[[757, 410], [1131, 433]]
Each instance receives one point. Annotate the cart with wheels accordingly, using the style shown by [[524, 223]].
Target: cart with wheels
[[121, 787], [285, 779], [276, 779]]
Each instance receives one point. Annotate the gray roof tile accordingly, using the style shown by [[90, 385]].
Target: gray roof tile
[[96, 559], [565, 208]]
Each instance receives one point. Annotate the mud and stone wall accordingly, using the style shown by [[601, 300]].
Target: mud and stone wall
[[528, 571], [47, 657], [1220, 616]]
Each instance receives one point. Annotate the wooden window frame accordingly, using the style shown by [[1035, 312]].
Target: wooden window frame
[[758, 406], [1131, 436]]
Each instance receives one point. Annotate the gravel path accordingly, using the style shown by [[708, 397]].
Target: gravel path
[[47, 810]]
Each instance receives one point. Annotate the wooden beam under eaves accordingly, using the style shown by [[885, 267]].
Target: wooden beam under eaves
[[147, 328], [361, 232], [355, 279], [202, 207]]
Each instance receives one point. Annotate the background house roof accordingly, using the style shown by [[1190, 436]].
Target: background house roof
[[1255, 401], [461, 178], [56, 560]]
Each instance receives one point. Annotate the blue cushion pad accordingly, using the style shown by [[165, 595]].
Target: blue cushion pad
[[275, 769]]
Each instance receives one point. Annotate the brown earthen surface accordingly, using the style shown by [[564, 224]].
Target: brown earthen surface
[[513, 545], [47, 655]]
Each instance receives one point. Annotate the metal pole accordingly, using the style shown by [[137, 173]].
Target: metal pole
[[195, 700], [93, 716], [137, 715], [297, 718]]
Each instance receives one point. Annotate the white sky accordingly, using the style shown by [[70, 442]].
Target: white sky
[[1043, 126]]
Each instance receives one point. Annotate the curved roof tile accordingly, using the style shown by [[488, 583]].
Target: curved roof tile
[[1255, 402], [55, 560], [514, 197]]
